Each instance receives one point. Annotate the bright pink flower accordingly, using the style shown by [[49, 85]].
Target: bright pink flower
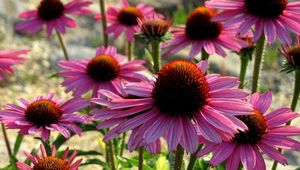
[[9, 58], [52, 13], [45, 114], [50, 162], [111, 118], [125, 19], [267, 132], [181, 101], [202, 33], [105, 71], [273, 18]]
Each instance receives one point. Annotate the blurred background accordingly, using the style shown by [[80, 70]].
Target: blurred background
[[35, 76]]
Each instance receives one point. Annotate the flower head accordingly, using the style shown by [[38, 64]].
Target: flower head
[[9, 58], [203, 33], [266, 132], [292, 55], [104, 71], [53, 14], [47, 162], [154, 29], [181, 101], [126, 19], [45, 114], [274, 18]]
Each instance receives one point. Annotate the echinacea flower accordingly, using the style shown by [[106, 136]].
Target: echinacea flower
[[8, 58], [125, 19], [180, 101], [50, 162], [202, 33], [45, 114], [266, 133], [292, 55], [110, 118], [104, 71], [53, 14], [154, 29], [273, 18]]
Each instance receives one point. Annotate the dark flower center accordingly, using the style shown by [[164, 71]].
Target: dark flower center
[[294, 55], [180, 89], [199, 25], [103, 68], [266, 8], [43, 112], [50, 9], [52, 163], [155, 28], [257, 127], [128, 16]]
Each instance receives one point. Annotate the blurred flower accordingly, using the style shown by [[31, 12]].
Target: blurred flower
[[45, 114], [105, 71], [202, 33], [52, 13], [267, 132], [154, 29], [273, 18], [292, 55], [126, 19], [50, 162], [8, 58], [111, 118], [180, 101]]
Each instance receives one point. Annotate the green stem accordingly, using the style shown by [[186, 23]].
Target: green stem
[[204, 55], [293, 105], [156, 55], [6, 141], [243, 70], [47, 146], [258, 62], [62, 45], [122, 144], [104, 22], [178, 158], [112, 159], [193, 158], [141, 158], [129, 50]]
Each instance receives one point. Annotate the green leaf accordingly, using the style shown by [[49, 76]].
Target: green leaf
[[162, 163], [12, 166], [129, 162], [17, 145], [79, 153], [201, 164], [94, 162], [53, 75]]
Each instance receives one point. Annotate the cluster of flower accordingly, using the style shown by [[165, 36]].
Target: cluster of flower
[[180, 103]]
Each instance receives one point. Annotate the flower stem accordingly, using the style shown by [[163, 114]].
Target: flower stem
[[129, 50], [141, 157], [47, 146], [6, 141], [62, 45], [204, 55], [156, 55], [258, 62], [178, 158], [193, 158], [122, 144], [243, 70], [104, 22], [293, 104]]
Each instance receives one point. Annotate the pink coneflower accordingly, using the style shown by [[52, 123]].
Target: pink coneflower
[[52, 13], [202, 33], [125, 19], [273, 18], [45, 114], [180, 100], [105, 71], [267, 132], [9, 58], [292, 55], [50, 162], [110, 118]]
